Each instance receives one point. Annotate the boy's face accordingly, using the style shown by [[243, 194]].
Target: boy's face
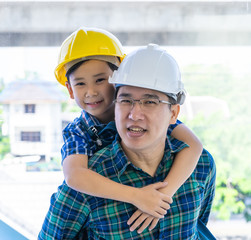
[[143, 129], [90, 88]]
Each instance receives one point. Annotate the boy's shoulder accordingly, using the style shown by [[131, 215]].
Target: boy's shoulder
[[74, 126], [85, 120]]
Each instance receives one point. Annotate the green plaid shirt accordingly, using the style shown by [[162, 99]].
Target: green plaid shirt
[[72, 213]]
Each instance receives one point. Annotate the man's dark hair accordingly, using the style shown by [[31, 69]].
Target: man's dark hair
[[172, 100]]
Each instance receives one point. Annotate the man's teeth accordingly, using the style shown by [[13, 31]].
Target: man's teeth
[[134, 129]]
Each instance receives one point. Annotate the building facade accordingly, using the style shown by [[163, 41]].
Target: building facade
[[32, 118]]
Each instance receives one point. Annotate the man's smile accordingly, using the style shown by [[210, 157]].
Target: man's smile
[[136, 129]]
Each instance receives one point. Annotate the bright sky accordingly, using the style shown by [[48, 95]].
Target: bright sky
[[15, 61]]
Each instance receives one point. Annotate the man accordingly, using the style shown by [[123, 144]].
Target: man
[[148, 94]]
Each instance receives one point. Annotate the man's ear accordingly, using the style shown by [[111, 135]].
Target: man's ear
[[175, 109], [68, 85]]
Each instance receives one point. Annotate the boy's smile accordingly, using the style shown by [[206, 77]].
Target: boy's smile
[[90, 88], [94, 104]]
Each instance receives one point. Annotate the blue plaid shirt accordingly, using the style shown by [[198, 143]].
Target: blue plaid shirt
[[79, 140], [72, 213], [78, 137]]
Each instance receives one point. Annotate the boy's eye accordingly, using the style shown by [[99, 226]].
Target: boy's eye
[[80, 84], [100, 80]]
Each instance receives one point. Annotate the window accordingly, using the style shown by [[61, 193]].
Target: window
[[31, 136], [29, 108]]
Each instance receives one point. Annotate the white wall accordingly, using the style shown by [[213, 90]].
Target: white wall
[[46, 119]]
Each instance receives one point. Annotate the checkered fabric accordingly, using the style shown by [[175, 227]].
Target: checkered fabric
[[72, 213]]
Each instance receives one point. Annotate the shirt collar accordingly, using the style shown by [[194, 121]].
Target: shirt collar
[[121, 162], [89, 119], [172, 147]]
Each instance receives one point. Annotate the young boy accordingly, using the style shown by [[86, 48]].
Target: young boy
[[88, 58]]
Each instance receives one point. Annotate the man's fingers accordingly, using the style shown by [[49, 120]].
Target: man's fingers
[[161, 212], [168, 199], [134, 217], [142, 221], [153, 224], [146, 223], [165, 206], [138, 222]]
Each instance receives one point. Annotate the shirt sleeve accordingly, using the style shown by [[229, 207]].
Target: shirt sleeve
[[76, 141], [172, 126], [209, 191], [67, 215]]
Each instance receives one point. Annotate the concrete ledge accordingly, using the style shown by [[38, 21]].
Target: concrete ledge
[[47, 23], [28, 39]]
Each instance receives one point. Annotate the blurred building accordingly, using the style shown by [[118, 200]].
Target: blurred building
[[204, 106], [32, 118]]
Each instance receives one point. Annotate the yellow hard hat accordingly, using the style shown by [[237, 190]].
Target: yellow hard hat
[[84, 43]]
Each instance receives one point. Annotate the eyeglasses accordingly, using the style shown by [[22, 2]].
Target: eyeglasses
[[145, 103]]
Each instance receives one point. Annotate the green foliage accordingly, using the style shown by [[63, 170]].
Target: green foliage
[[227, 138], [212, 80], [1, 84], [57, 161], [70, 105], [5, 146]]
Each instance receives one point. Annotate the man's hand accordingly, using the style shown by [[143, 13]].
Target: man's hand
[[138, 218], [151, 201]]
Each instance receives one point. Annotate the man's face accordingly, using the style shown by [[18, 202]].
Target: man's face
[[142, 128]]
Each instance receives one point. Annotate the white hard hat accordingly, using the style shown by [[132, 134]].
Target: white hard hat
[[153, 68]]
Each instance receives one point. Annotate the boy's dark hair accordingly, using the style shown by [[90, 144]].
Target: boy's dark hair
[[77, 65]]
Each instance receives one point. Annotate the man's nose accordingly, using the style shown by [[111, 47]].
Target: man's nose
[[136, 112]]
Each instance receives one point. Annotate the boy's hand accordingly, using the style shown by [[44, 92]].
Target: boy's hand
[[151, 201], [139, 217]]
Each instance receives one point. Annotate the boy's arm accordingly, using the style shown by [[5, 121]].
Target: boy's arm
[[185, 161], [82, 179]]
